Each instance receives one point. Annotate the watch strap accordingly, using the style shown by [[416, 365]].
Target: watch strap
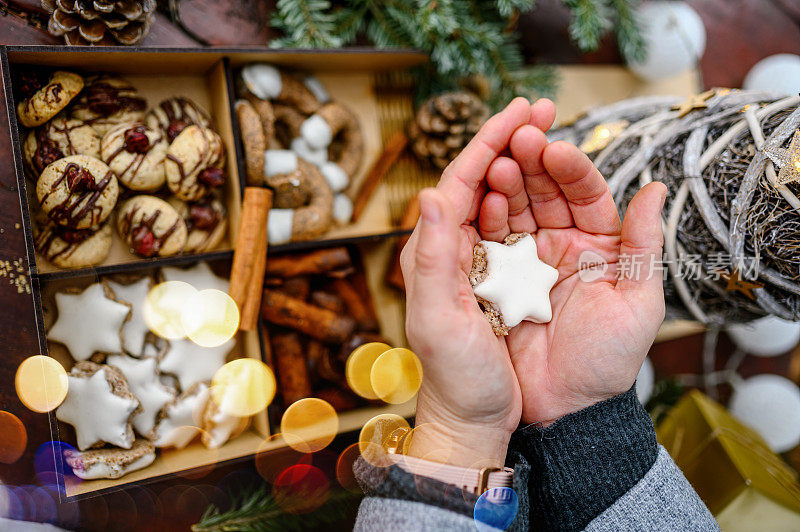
[[469, 480]]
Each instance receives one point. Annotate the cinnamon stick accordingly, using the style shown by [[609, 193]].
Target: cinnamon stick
[[319, 323], [391, 151], [291, 365], [358, 302], [313, 263], [297, 287], [250, 255], [394, 275], [328, 301]]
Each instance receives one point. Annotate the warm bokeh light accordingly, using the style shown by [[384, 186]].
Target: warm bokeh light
[[301, 489], [41, 383], [359, 367], [13, 438], [393, 429], [344, 468], [243, 387], [163, 308], [311, 421], [210, 318], [272, 461], [396, 375]]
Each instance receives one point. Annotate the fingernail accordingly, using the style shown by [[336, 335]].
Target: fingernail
[[663, 200], [429, 209]]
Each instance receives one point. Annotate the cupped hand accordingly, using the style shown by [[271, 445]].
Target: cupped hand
[[601, 328], [470, 400]]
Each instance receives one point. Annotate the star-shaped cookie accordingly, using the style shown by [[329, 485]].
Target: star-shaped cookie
[[512, 279], [99, 405], [180, 420], [134, 331], [199, 276], [192, 363], [144, 383], [89, 322]]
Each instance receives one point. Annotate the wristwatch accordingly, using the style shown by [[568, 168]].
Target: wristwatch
[[469, 480]]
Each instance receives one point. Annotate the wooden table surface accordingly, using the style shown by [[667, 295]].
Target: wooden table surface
[[740, 32]]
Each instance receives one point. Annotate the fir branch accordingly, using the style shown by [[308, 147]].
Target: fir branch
[[256, 510], [629, 37], [507, 8], [305, 24], [590, 21]]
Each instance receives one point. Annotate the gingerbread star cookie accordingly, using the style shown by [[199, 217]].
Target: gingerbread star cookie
[[89, 322], [99, 405], [143, 381], [511, 283], [192, 363], [110, 462], [199, 276], [134, 331]]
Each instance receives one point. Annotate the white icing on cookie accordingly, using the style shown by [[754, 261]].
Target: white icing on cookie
[[220, 429], [199, 276], [279, 226], [316, 132], [181, 421], [517, 281], [336, 177], [342, 208], [316, 87], [278, 162], [97, 414], [144, 383], [262, 80], [135, 329], [112, 469], [89, 322], [192, 363], [317, 157]]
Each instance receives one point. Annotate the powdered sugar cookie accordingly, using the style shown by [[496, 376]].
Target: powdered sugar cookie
[[136, 154], [89, 322], [192, 363], [219, 427], [99, 405], [179, 421], [144, 384], [135, 329], [194, 163], [511, 283], [110, 463]]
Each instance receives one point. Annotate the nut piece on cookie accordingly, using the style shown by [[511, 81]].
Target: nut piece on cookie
[[136, 154], [78, 191], [206, 220], [151, 227], [194, 163], [47, 101], [107, 101], [72, 248], [58, 138], [173, 115], [511, 283], [99, 405], [110, 463]]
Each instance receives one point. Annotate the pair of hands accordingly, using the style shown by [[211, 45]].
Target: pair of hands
[[478, 387]]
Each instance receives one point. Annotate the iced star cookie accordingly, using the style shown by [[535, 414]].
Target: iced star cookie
[[194, 163], [110, 463], [218, 426], [89, 322], [180, 420], [71, 248], [511, 283], [58, 138], [136, 154], [199, 276], [151, 227], [46, 101], [206, 221], [77, 191], [99, 405], [144, 384], [135, 329], [173, 115], [192, 363], [106, 101]]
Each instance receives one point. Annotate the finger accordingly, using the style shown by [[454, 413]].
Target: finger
[[436, 258], [461, 178], [548, 204], [504, 176], [642, 245], [493, 222], [584, 188], [543, 114]]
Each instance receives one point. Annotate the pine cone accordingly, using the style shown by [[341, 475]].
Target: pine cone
[[444, 125], [100, 22]]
